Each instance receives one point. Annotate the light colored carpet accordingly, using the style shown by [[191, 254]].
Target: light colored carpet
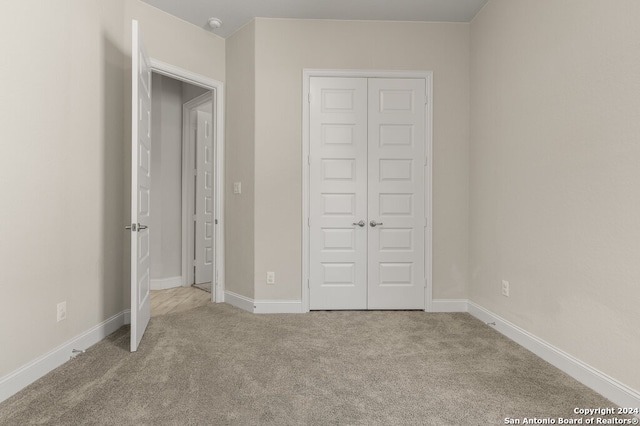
[[218, 365]]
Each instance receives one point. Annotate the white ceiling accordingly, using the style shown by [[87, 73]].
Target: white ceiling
[[235, 13]]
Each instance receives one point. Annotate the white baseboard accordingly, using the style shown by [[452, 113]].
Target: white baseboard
[[277, 306], [238, 301], [263, 306], [29, 373], [165, 283], [449, 305], [607, 386]]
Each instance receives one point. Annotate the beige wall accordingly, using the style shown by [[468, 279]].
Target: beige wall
[[177, 42], [61, 172], [555, 170], [239, 161], [283, 49], [64, 160]]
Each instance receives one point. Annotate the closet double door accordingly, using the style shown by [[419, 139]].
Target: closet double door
[[367, 193]]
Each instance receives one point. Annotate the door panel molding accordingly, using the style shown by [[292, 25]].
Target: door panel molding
[[140, 186], [396, 194], [189, 110], [394, 170], [338, 276], [204, 232]]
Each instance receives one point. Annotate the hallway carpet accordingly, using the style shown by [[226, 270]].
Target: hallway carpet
[[219, 365]]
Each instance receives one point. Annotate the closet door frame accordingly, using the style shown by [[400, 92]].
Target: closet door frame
[[428, 172]]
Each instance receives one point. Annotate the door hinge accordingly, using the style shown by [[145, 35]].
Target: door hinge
[[308, 159], [309, 97], [308, 284], [216, 221], [308, 222], [195, 172], [426, 99], [194, 263], [195, 217], [426, 161]]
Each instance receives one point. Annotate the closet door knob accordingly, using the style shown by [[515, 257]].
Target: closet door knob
[[373, 223], [360, 224]]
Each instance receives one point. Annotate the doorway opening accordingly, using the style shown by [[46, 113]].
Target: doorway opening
[[142, 67], [187, 245], [176, 227]]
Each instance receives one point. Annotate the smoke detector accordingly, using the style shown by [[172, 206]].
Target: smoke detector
[[214, 23]]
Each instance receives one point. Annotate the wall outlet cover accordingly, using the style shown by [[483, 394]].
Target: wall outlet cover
[[62, 311], [505, 288]]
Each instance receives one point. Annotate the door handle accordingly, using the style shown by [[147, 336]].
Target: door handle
[[373, 223], [136, 227], [360, 224]]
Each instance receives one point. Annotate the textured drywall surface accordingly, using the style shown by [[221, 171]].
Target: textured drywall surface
[[283, 49], [554, 174], [239, 162], [61, 172]]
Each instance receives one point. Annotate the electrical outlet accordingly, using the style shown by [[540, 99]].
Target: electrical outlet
[[505, 288], [62, 311], [271, 277], [237, 187]]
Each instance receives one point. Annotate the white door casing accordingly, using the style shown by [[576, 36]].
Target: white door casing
[[367, 161], [140, 186], [204, 228], [216, 98], [396, 193], [338, 165]]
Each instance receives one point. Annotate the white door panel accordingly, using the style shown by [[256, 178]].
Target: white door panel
[[337, 278], [396, 193], [367, 155], [204, 198], [140, 187]]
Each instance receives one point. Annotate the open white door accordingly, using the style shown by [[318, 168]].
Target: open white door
[[204, 198], [140, 186]]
